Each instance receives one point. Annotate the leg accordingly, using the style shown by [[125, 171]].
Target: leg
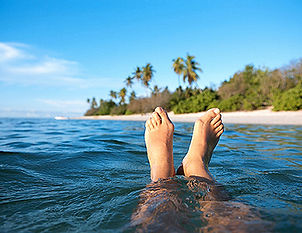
[[161, 208], [159, 205], [159, 143], [206, 134], [171, 206]]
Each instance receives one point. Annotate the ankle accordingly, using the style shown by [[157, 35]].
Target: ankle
[[162, 170], [190, 161], [196, 167]]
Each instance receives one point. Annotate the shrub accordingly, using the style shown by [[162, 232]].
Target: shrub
[[91, 112], [233, 103], [196, 103], [128, 112], [105, 108], [290, 100], [119, 110]]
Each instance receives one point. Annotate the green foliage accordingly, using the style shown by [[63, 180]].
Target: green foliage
[[248, 89], [231, 104], [90, 112], [122, 95], [196, 103], [93, 103], [105, 107], [290, 100], [179, 95], [187, 68], [119, 110], [128, 112], [254, 88]]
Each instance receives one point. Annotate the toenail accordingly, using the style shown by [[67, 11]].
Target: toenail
[[160, 109], [217, 110]]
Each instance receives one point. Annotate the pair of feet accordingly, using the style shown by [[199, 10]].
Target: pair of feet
[[159, 142]]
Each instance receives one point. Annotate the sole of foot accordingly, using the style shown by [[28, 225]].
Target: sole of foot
[[159, 142], [206, 134]]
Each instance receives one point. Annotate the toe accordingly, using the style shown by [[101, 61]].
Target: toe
[[219, 133], [218, 123], [216, 119], [154, 122], [210, 114], [156, 117], [162, 113], [149, 123], [215, 110], [220, 127]]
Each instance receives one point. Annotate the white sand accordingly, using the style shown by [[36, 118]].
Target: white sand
[[248, 117]]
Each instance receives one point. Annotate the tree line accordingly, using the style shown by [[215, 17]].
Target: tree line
[[249, 89]]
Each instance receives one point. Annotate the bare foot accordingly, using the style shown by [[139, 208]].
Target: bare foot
[[206, 134], [159, 142]]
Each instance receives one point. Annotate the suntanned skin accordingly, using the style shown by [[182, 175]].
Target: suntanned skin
[[159, 142], [161, 207], [206, 134]]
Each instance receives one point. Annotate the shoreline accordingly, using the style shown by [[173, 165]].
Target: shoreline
[[262, 117]]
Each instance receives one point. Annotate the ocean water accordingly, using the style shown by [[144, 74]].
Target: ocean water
[[93, 176]]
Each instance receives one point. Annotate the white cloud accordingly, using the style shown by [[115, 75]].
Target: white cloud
[[8, 52], [19, 66], [22, 66], [13, 51], [48, 66]]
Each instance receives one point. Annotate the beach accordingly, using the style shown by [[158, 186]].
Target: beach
[[265, 117]]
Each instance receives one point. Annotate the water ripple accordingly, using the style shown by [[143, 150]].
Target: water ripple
[[84, 176]]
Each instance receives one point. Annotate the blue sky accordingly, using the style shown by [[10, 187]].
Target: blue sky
[[56, 54]]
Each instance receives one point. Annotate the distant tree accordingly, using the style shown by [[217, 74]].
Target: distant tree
[[137, 74], [122, 95], [132, 96], [113, 94], [105, 107], [178, 67], [102, 102], [290, 100], [88, 100], [129, 81], [93, 103], [147, 74], [190, 70], [156, 90]]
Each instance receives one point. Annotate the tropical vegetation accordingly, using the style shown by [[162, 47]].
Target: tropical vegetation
[[248, 89]]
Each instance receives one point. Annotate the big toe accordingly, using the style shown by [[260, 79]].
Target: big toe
[[210, 114], [163, 114]]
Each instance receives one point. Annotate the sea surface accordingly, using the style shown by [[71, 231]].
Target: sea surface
[[90, 176]]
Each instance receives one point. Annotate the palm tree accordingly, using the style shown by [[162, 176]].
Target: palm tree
[[101, 102], [147, 74], [190, 69], [178, 67], [132, 96], [156, 90], [137, 73], [122, 95], [129, 81], [113, 94], [93, 103]]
